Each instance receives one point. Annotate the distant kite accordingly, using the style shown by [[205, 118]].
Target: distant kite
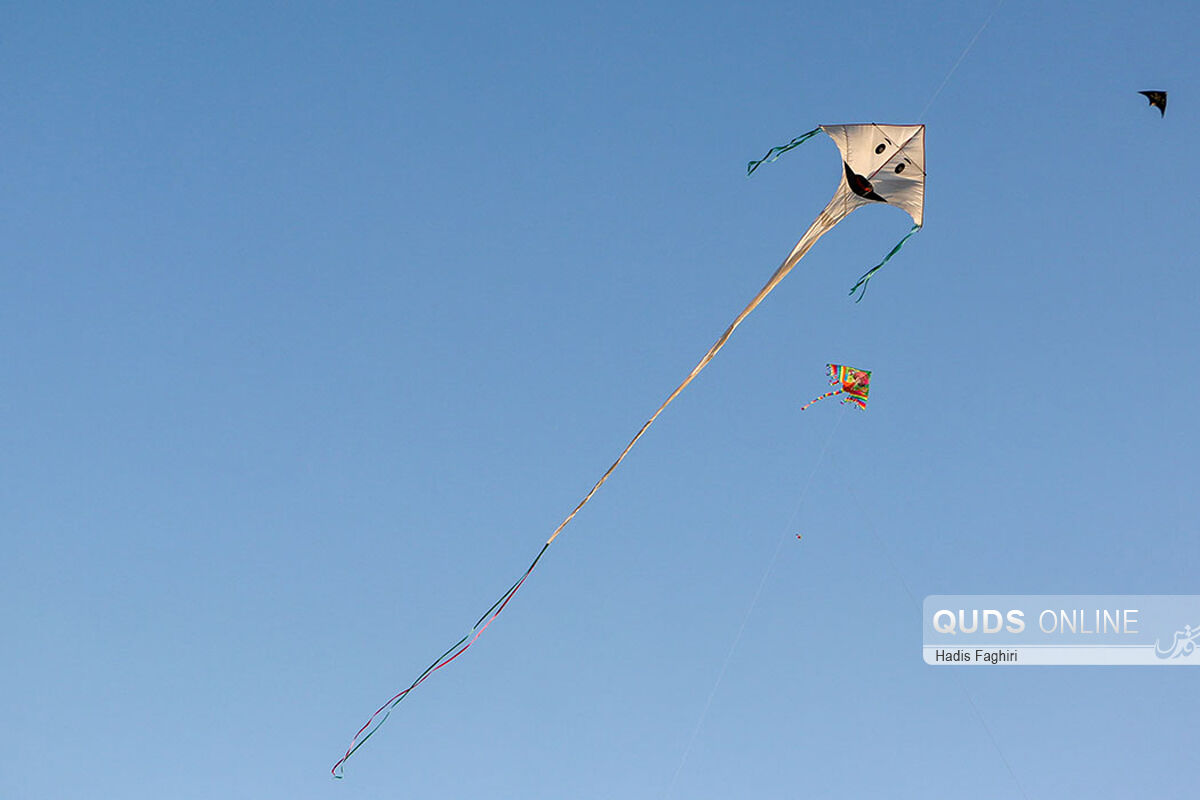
[[855, 384], [1157, 100], [880, 164]]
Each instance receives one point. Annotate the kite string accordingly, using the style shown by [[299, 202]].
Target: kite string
[[961, 56], [869, 525], [753, 604]]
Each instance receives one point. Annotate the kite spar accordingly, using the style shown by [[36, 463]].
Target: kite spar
[[881, 164]]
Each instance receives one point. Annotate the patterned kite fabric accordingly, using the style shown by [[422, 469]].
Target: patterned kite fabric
[[855, 384]]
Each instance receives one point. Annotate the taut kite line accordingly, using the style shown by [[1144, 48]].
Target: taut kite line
[[881, 164]]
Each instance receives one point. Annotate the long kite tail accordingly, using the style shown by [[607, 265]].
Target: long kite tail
[[458, 648], [830, 216], [822, 397]]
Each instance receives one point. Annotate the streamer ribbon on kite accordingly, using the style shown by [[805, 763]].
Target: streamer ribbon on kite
[[775, 152], [855, 384], [881, 164], [867, 275]]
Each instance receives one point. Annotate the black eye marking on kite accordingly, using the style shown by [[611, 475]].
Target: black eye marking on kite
[[879, 150], [860, 185], [1157, 100], [900, 168]]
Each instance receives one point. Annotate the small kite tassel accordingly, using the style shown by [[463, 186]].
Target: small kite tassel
[[822, 397], [862, 282], [775, 152]]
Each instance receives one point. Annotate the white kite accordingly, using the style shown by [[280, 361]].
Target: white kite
[[880, 164]]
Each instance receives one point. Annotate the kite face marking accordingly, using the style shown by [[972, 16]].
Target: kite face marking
[[872, 152], [860, 185]]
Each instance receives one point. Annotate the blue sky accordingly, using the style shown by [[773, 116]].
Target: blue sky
[[317, 319]]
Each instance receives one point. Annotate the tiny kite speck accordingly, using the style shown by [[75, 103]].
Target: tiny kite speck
[[1157, 100], [855, 384]]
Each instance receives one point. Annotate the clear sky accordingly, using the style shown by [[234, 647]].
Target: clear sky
[[316, 319]]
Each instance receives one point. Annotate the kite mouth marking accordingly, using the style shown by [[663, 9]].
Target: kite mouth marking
[[860, 185]]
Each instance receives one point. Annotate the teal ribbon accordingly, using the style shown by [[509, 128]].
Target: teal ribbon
[[862, 282], [775, 152]]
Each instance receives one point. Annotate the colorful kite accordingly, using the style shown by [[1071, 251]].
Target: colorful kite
[[855, 384], [880, 164]]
